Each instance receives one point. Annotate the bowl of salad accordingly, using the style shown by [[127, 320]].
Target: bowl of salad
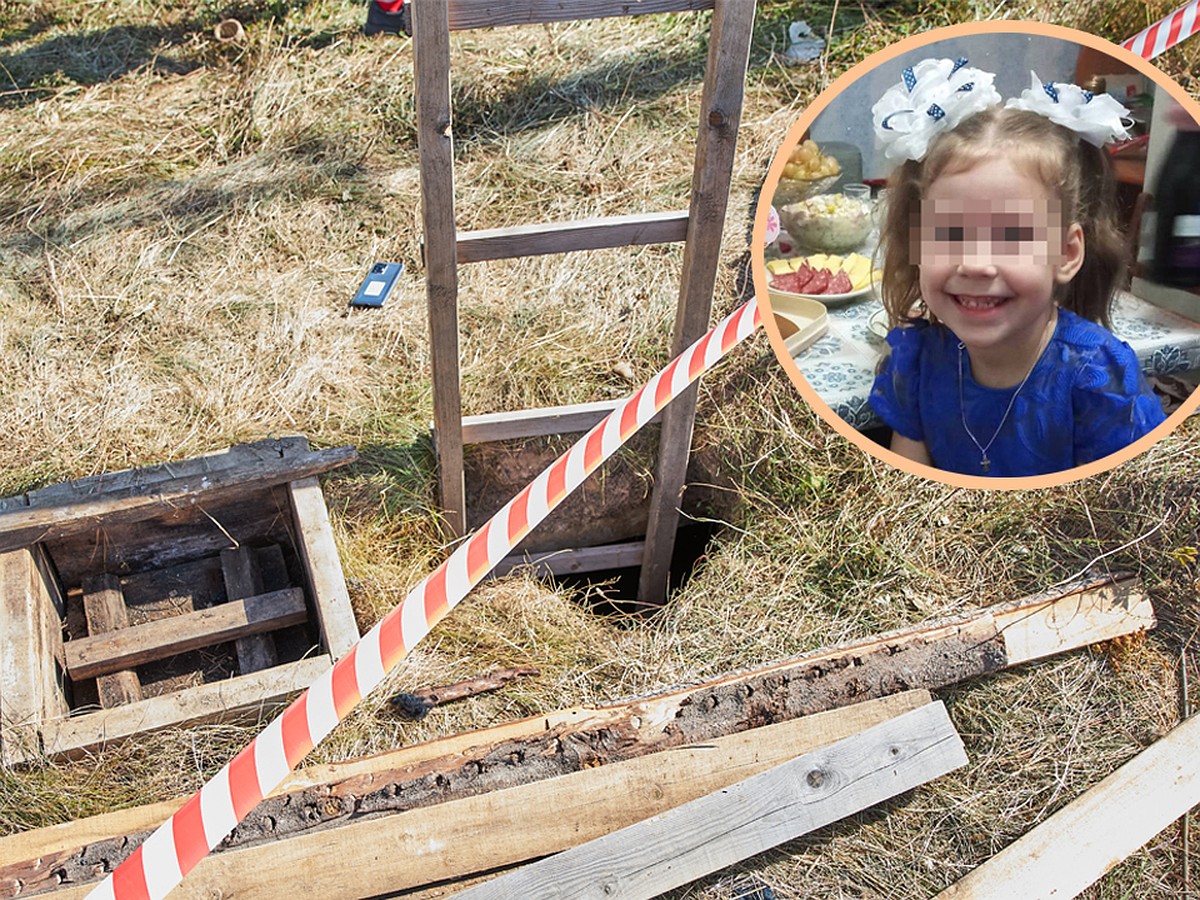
[[828, 223]]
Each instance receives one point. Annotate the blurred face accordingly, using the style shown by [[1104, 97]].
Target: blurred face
[[992, 249]]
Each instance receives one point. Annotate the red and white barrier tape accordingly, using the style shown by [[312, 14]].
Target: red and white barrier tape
[[1166, 32], [168, 854]]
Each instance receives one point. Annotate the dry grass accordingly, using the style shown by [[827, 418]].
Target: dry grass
[[182, 224]]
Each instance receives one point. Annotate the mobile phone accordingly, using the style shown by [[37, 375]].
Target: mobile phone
[[378, 284]]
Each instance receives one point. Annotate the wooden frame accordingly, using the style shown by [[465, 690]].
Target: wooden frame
[[233, 546], [701, 227]]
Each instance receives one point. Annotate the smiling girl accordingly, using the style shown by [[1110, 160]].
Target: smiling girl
[[1001, 256]]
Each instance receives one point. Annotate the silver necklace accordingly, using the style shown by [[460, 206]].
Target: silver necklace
[[985, 464]]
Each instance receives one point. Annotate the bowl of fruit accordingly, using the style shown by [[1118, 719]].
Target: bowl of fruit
[[830, 223], [829, 279], [807, 172]]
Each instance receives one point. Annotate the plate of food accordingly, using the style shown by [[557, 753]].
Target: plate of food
[[833, 280]]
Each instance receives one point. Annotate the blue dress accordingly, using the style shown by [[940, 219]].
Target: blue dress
[[1085, 398]]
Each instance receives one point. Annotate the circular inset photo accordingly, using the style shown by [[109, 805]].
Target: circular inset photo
[[979, 254]]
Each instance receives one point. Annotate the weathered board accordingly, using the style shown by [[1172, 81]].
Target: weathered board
[[31, 612], [239, 567], [716, 143], [21, 527], [725, 827], [216, 701], [566, 237], [465, 14], [141, 644], [585, 739], [104, 608]]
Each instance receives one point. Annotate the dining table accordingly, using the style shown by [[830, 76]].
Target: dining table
[[840, 365]]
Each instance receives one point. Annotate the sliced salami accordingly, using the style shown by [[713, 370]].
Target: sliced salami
[[819, 283], [840, 284]]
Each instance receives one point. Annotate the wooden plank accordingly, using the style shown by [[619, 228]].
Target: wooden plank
[[143, 478], [215, 701], [105, 653], [32, 610], [1042, 626], [21, 527], [242, 579], [465, 14], [725, 827], [51, 613], [435, 150], [546, 420], [720, 114], [566, 237], [21, 659], [1073, 848], [572, 562], [323, 566], [377, 855], [104, 607]]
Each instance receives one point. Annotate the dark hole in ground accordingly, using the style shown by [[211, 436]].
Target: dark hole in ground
[[614, 591]]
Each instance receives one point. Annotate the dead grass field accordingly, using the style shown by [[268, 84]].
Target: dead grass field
[[182, 223]]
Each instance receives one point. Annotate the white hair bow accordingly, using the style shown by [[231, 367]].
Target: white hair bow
[[933, 96], [1097, 118]]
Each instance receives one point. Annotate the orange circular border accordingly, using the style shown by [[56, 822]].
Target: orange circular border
[[758, 262]]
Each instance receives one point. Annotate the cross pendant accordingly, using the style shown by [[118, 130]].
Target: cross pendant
[[985, 464]]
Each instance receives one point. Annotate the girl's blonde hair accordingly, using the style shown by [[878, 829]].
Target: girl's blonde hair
[[1077, 172]]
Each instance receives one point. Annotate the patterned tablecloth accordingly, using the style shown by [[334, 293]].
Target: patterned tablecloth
[[840, 366]]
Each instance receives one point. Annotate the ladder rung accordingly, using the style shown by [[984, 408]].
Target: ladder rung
[[466, 14], [571, 562], [564, 237], [527, 423]]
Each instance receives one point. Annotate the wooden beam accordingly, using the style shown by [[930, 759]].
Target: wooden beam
[[24, 526], [435, 149], [104, 608], [720, 114], [117, 650], [567, 237], [1073, 848], [215, 701], [380, 855], [323, 566], [573, 562], [466, 14], [725, 827], [242, 580]]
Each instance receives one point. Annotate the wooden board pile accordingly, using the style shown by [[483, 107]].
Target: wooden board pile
[[692, 781]]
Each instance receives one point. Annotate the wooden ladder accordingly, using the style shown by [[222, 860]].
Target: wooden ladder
[[700, 227]]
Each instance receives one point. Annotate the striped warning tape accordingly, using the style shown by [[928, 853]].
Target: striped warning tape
[[208, 816], [1166, 32]]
